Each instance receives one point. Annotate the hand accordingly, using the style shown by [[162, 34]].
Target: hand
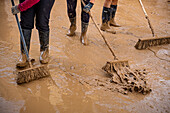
[[15, 9], [88, 7]]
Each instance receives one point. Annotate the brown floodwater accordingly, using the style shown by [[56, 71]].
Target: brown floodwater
[[77, 83]]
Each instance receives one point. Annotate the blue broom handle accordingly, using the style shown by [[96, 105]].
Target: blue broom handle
[[20, 30]]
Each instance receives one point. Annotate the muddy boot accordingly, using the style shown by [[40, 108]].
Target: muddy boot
[[22, 62], [113, 12], [72, 28], [83, 37], [113, 23], [44, 46], [105, 27], [106, 21], [44, 56]]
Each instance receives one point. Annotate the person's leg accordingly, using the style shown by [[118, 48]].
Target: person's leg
[[71, 11], [106, 17], [27, 24], [43, 9], [113, 12], [84, 24]]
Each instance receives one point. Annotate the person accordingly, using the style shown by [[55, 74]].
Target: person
[[71, 11], [108, 16], [29, 9]]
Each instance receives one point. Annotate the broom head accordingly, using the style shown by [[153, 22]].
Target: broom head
[[31, 74], [148, 42], [117, 64], [127, 80]]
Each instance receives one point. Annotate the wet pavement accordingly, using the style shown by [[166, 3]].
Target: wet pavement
[[77, 83]]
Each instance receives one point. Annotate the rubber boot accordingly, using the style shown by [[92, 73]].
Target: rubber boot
[[44, 46], [106, 27], [83, 37], [22, 62], [113, 12], [72, 28], [113, 23], [106, 21]]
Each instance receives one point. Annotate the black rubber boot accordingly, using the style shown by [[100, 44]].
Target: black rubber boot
[[106, 21], [22, 62], [44, 46], [83, 37], [72, 28], [112, 17]]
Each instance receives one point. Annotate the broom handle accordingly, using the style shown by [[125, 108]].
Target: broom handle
[[146, 16], [22, 36], [115, 58]]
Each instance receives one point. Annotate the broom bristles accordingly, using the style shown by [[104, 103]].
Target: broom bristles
[[31, 74], [128, 79], [109, 65], [145, 43]]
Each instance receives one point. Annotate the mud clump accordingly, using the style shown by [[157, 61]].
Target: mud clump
[[127, 80]]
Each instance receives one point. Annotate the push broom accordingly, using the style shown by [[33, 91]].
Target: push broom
[[116, 62], [32, 73], [148, 42], [121, 69]]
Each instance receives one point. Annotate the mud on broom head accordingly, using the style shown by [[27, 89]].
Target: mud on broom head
[[109, 65], [128, 80], [145, 43], [31, 74]]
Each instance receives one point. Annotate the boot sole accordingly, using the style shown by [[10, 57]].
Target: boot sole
[[115, 25], [112, 32], [71, 34]]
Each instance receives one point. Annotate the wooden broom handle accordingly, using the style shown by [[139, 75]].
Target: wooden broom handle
[[146, 16], [115, 58]]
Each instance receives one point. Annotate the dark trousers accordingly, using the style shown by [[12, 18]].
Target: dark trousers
[[42, 12], [71, 10]]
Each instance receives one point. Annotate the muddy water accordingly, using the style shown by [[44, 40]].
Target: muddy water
[[77, 83]]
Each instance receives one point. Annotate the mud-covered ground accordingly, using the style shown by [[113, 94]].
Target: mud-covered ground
[[77, 83]]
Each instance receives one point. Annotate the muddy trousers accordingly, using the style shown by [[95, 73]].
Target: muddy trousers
[[71, 10], [42, 13]]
